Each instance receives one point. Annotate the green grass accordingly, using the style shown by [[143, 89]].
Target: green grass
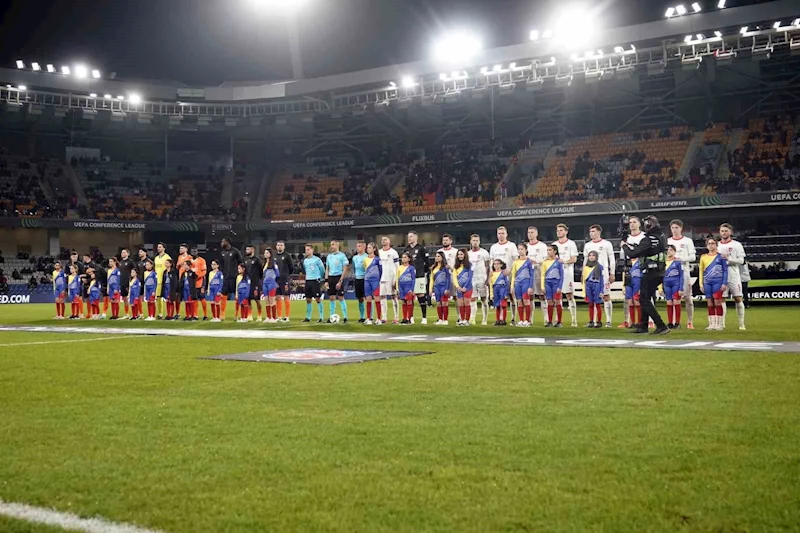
[[469, 438]]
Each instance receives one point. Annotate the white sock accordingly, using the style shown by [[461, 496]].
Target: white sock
[[395, 307], [484, 309], [609, 308], [384, 309], [740, 312], [626, 311], [724, 314], [473, 310], [689, 310], [543, 307], [573, 311]]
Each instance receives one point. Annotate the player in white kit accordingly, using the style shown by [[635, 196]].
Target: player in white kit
[[686, 253], [605, 256], [537, 253], [390, 260], [480, 260], [733, 252], [507, 252], [568, 255], [448, 250], [635, 236]]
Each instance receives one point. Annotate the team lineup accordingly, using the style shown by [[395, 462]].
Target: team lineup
[[507, 277]]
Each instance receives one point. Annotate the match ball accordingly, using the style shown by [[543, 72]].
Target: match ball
[[335, 319]]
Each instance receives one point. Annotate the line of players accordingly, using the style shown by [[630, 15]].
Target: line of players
[[506, 276]]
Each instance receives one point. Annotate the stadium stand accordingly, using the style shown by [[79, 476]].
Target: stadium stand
[[21, 191], [615, 165]]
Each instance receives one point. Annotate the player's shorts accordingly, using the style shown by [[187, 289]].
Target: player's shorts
[[632, 290], [332, 290], [104, 291], [406, 292], [313, 289], [567, 286], [123, 290], [255, 291], [387, 288], [593, 291], [116, 296], [605, 289], [465, 295], [212, 296], [186, 296], [551, 288], [421, 286], [61, 296], [521, 291], [243, 299], [228, 285], [687, 284], [270, 291], [283, 287], [360, 289], [479, 288], [672, 288], [150, 296], [94, 301], [372, 288], [713, 289], [734, 289], [500, 296], [438, 294], [538, 290]]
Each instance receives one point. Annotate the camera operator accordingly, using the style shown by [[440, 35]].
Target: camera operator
[[651, 251]]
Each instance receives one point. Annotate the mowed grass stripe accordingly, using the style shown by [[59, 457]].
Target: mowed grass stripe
[[469, 439]]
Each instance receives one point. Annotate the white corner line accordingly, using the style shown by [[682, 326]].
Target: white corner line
[[12, 344], [68, 521]]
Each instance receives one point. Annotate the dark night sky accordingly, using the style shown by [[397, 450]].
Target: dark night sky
[[205, 42]]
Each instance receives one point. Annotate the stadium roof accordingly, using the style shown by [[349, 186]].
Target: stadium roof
[[652, 33]]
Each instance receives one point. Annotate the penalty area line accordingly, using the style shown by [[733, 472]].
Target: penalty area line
[[37, 343], [67, 521]]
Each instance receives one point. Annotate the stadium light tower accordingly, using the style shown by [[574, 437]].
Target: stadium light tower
[[291, 10], [456, 47], [575, 26]]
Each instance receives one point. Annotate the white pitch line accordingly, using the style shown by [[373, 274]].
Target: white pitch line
[[68, 521], [60, 342]]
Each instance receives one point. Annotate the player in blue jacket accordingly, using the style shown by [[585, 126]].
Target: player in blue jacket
[[372, 283], [114, 287], [714, 280], [552, 281], [150, 285], [462, 286], [95, 293], [406, 277], [441, 282], [242, 292], [499, 286], [59, 289], [673, 288], [593, 284], [215, 282], [134, 296], [75, 291], [269, 287]]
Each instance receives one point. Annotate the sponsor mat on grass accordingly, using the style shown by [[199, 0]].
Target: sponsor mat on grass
[[314, 356], [334, 336]]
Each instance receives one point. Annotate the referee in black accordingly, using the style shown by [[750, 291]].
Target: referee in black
[[286, 268], [420, 260]]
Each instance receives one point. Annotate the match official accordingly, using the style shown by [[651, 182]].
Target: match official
[[651, 252]]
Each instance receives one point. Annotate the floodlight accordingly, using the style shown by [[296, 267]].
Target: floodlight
[[721, 4], [93, 95], [120, 97], [96, 74], [743, 30], [687, 39], [718, 33], [680, 9], [534, 36], [65, 70], [134, 98], [407, 82], [35, 66], [23, 88], [573, 57], [670, 12], [456, 47], [588, 54], [20, 63], [484, 70], [618, 49], [796, 22], [575, 26], [81, 71], [600, 53], [700, 36], [51, 68], [777, 24], [696, 7], [279, 6], [633, 48], [107, 96], [497, 68], [393, 85]]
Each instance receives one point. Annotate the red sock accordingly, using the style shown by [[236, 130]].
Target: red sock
[[275, 311], [467, 311], [505, 314], [205, 308], [446, 312], [598, 314], [369, 310], [632, 313], [559, 311], [591, 312], [105, 304], [521, 312], [669, 313], [269, 312], [127, 308], [497, 314], [151, 309], [550, 312], [379, 310]]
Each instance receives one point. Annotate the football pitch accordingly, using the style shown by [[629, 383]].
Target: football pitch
[[471, 437]]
